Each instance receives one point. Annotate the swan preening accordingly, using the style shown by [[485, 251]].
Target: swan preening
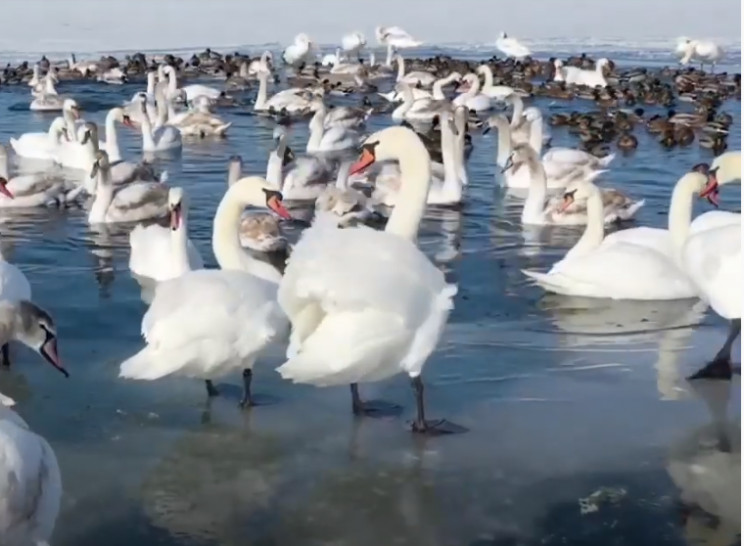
[[703, 51]]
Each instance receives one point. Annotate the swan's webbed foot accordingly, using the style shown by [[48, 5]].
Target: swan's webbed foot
[[246, 401], [372, 408], [430, 428], [211, 389]]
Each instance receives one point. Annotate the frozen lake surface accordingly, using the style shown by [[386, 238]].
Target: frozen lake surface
[[583, 430]]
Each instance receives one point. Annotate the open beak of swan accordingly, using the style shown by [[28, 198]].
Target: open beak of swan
[[365, 160], [568, 199], [48, 350], [175, 216], [4, 188], [710, 191], [127, 121], [274, 202]]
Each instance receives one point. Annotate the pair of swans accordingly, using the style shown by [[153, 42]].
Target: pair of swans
[[472, 98], [581, 76], [206, 323], [161, 136], [537, 210], [689, 259], [46, 98], [341, 335]]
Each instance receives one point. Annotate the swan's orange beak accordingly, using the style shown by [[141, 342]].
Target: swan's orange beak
[[4, 188], [568, 200], [275, 204], [175, 217], [127, 121], [710, 191], [364, 161]]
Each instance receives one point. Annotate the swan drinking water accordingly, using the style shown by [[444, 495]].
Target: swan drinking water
[[344, 335]]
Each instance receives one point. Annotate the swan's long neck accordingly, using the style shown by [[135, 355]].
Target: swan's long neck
[[504, 143], [451, 185], [161, 105], [275, 165], [180, 241], [534, 206], [49, 88], [112, 139], [401, 67], [536, 135], [342, 178], [415, 172], [148, 142], [151, 84], [518, 109], [172, 82], [487, 76], [437, 91], [70, 124], [316, 130], [226, 239], [680, 208], [261, 97], [104, 194], [594, 232], [4, 166], [461, 124], [390, 54]]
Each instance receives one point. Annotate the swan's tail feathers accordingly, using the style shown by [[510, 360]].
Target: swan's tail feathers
[[606, 160], [628, 212], [139, 366], [388, 96], [222, 129], [592, 175], [546, 281]]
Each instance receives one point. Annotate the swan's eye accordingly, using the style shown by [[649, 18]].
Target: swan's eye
[[569, 195], [272, 194]]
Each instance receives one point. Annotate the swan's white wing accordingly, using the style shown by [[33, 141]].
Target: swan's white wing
[[206, 322], [139, 201], [374, 289], [713, 219]]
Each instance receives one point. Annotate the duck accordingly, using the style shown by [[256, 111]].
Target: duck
[[41, 146], [537, 211], [298, 52], [134, 202], [627, 141], [28, 190], [511, 47], [259, 231], [402, 287], [417, 77], [472, 98], [712, 259], [161, 253], [236, 305]]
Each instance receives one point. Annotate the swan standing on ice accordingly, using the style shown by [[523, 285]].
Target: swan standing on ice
[[704, 51], [395, 37], [299, 52], [161, 253], [344, 335], [352, 44], [207, 323], [712, 259], [511, 47]]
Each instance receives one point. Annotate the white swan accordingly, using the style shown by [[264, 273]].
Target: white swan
[[712, 259], [41, 146], [617, 270], [263, 63], [590, 78], [47, 99], [341, 334], [191, 91], [436, 93], [416, 77], [704, 51], [334, 139], [416, 110], [538, 211], [353, 43], [133, 109], [134, 202], [162, 137], [303, 179], [28, 190], [207, 323], [73, 152], [259, 231], [498, 92], [199, 120], [511, 47], [299, 51], [395, 37], [161, 253], [343, 203], [472, 98], [289, 101]]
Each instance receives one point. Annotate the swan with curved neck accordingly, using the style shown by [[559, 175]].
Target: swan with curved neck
[[500, 92], [416, 77], [321, 296], [112, 138]]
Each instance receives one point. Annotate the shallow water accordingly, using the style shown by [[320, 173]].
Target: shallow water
[[562, 398]]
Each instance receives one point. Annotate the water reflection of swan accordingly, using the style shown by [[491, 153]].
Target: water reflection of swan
[[706, 467], [104, 239]]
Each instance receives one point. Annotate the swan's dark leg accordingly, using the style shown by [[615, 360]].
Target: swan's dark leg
[[211, 390], [721, 367], [6, 356], [372, 408], [247, 400]]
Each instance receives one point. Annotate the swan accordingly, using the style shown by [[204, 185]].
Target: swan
[[161, 253], [41, 146], [47, 99], [511, 47], [199, 120], [498, 92], [343, 203], [567, 74], [36, 77], [28, 190], [472, 98], [353, 43], [191, 91], [258, 231], [590, 78], [345, 116], [712, 259], [301, 180], [333, 139], [299, 51], [536, 211], [134, 202], [289, 102], [417, 77], [413, 110], [705, 51], [395, 37], [207, 323], [436, 93], [112, 76], [162, 137], [133, 109], [519, 127], [622, 271], [680, 225], [263, 63], [343, 335]]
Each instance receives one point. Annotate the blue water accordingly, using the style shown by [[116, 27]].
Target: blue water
[[561, 397]]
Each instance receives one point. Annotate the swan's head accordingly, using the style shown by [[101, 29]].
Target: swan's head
[[532, 113], [467, 82], [88, 133], [302, 39], [234, 169], [71, 105], [522, 154], [117, 114], [558, 63], [579, 190], [361, 38], [4, 187], [256, 191], [35, 328], [497, 120], [387, 144], [176, 202], [101, 163], [601, 63], [725, 168]]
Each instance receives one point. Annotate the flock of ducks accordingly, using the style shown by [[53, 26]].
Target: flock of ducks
[[206, 323]]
